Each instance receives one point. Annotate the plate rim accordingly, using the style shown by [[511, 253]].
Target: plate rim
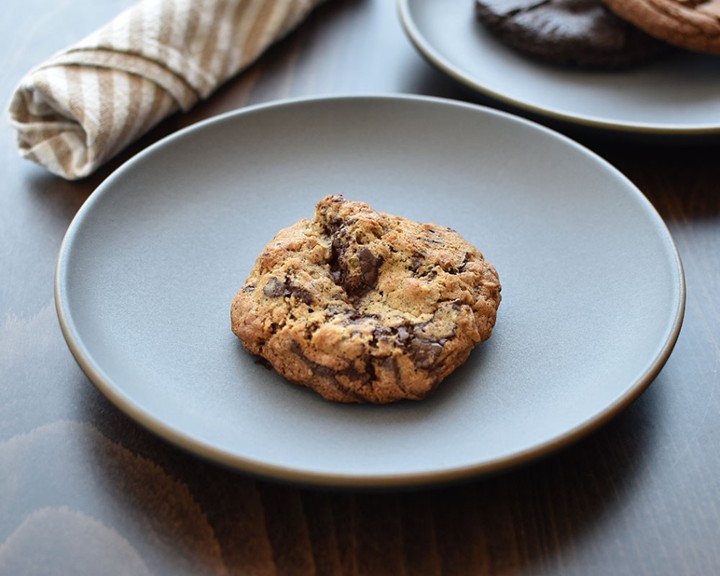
[[275, 472], [434, 57]]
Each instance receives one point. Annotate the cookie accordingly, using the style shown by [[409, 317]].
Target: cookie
[[582, 33], [362, 306], [690, 24]]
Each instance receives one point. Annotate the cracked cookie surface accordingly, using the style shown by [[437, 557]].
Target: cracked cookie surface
[[362, 306], [690, 24], [576, 32]]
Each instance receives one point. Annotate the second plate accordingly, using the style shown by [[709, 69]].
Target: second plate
[[675, 96]]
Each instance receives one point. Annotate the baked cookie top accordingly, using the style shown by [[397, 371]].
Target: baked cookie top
[[362, 306], [690, 24], [576, 32]]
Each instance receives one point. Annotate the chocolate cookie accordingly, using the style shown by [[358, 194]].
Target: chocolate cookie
[[690, 24], [576, 32], [362, 306]]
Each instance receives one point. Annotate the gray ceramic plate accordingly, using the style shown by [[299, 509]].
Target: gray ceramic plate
[[675, 96], [593, 288]]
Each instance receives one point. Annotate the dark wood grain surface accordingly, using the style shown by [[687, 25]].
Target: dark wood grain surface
[[85, 490]]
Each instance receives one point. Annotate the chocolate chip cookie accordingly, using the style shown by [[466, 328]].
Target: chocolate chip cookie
[[363, 306], [690, 24], [571, 32]]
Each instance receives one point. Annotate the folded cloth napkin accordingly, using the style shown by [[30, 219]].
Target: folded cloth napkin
[[85, 104]]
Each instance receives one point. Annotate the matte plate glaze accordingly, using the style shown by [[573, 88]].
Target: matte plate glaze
[[592, 286], [677, 95]]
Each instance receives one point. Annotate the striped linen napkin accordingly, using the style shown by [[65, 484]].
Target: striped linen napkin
[[81, 107]]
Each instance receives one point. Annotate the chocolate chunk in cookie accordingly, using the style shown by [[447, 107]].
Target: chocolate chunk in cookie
[[573, 32], [690, 24], [362, 306]]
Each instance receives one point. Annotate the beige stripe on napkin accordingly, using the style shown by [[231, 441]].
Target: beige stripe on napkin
[[81, 107]]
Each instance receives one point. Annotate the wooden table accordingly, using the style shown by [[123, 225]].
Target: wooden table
[[82, 487]]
